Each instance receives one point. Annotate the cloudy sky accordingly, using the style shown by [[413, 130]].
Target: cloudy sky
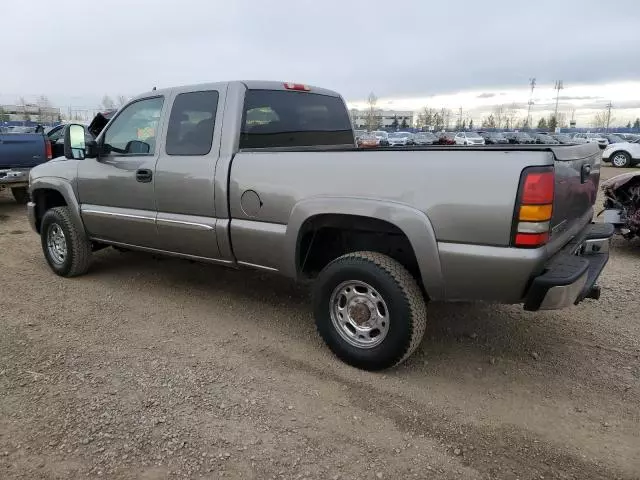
[[465, 53]]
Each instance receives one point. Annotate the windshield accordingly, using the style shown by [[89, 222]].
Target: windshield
[[473, 135], [615, 139], [522, 135], [563, 138], [380, 134]]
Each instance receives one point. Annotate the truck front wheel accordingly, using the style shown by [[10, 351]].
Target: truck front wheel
[[369, 310], [67, 249]]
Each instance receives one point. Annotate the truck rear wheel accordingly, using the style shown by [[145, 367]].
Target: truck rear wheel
[[67, 249], [369, 310], [21, 195]]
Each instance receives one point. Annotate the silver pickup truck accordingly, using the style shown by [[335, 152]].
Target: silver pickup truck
[[266, 175]]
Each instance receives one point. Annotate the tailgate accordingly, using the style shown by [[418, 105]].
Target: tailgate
[[22, 150], [577, 170]]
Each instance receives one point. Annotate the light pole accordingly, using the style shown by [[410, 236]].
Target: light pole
[[559, 86], [532, 83]]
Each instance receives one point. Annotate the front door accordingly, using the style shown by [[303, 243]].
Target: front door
[[185, 172], [116, 191]]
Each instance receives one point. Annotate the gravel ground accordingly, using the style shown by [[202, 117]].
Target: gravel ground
[[156, 368]]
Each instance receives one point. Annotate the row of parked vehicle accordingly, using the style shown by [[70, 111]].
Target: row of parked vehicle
[[381, 138]]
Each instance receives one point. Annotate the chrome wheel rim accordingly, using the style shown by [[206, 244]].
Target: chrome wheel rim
[[359, 314], [619, 160], [56, 243]]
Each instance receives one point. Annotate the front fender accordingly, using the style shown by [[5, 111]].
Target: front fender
[[414, 223], [65, 188]]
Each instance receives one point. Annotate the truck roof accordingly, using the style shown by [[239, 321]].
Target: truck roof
[[249, 84]]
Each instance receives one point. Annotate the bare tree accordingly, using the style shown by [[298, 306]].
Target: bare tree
[[121, 100], [562, 120], [446, 118], [499, 115], [372, 117], [25, 116], [44, 109], [426, 118], [599, 120], [489, 122], [108, 103], [510, 116]]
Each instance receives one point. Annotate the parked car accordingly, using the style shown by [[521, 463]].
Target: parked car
[[400, 139], [596, 138], [368, 140], [266, 175], [359, 134], [382, 137], [19, 153], [494, 138], [563, 138], [621, 155], [425, 138], [628, 137], [519, 138], [56, 137], [446, 138], [614, 138], [468, 138], [544, 139]]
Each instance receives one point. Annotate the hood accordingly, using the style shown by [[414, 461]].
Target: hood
[[619, 181], [100, 121]]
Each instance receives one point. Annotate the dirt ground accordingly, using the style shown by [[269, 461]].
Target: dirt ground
[[158, 368]]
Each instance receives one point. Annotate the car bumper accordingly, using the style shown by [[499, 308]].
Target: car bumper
[[14, 177], [570, 276]]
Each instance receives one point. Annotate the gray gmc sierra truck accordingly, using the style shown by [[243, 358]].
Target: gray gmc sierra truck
[[267, 175]]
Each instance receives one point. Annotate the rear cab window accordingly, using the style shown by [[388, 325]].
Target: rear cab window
[[191, 123], [279, 118]]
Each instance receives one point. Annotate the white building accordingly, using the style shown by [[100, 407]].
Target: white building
[[30, 112], [387, 119]]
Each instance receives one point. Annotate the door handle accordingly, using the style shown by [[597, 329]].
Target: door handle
[[144, 175]]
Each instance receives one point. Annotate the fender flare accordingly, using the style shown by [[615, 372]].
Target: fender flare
[[64, 188], [412, 222]]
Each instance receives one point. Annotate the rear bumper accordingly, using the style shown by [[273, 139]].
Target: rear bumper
[[14, 177], [570, 276]]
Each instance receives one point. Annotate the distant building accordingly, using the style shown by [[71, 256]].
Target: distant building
[[386, 119], [30, 113]]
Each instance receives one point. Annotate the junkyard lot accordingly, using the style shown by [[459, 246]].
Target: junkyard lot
[[156, 368]]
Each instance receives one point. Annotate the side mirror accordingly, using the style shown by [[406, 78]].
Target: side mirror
[[74, 144]]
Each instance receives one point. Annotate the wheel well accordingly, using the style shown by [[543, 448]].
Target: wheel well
[[324, 238], [46, 199]]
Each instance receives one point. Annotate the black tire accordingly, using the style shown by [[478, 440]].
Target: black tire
[[407, 311], [21, 195], [77, 259], [624, 162]]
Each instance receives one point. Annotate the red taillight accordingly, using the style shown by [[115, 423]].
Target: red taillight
[[538, 188], [297, 86], [531, 239], [47, 149], [535, 207]]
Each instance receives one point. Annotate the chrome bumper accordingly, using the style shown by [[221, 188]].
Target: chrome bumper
[[14, 177]]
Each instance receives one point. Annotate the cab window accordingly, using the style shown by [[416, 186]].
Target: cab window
[[134, 130]]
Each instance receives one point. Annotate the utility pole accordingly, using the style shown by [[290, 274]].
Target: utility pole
[[608, 107], [460, 118], [532, 84], [559, 86]]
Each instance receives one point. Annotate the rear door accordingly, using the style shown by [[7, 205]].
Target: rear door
[[116, 191], [184, 181]]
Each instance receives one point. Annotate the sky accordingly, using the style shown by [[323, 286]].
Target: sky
[[409, 53]]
